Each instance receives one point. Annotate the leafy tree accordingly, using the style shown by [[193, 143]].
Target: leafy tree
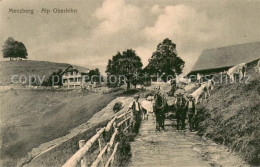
[[14, 49], [55, 79], [95, 75], [113, 71], [143, 78], [127, 64], [165, 60]]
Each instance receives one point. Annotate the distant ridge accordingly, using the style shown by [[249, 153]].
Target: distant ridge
[[227, 56]]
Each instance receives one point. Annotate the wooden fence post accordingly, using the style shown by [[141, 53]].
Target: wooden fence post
[[100, 149], [81, 156], [83, 162]]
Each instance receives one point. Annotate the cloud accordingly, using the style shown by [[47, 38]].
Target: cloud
[[116, 15], [101, 28], [117, 28], [188, 28], [182, 23], [155, 9], [145, 52]]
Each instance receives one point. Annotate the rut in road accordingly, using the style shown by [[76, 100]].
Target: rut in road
[[177, 148]]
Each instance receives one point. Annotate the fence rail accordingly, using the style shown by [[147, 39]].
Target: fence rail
[[106, 137]]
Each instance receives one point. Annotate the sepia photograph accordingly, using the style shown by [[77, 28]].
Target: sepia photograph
[[130, 83]]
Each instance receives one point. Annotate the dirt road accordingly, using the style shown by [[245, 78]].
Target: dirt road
[[173, 148]]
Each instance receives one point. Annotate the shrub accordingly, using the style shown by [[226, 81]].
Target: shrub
[[118, 106]]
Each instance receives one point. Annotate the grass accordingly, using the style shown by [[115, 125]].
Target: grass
[[231, 117], [59, 155], [32, 117], [30, 67], [124, 150]]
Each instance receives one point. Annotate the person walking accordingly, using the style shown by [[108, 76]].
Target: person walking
[[180, 110], [136, 108], [191, 111]]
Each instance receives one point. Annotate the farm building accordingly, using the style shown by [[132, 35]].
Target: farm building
[[212, 61], [72, 78]]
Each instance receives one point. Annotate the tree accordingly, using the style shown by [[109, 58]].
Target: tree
[[94, 75], [128, 64], [14, 49], [55, 78], [165, 60]]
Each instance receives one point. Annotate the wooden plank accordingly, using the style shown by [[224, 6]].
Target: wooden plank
[[111, 142], [120, 123], [83, 162], [99, 158], [100, 148], [126, 128], [124, 114], [112, 157], [110, 123], [76, 158]]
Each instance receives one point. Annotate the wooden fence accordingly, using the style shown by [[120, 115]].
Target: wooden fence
[[108, 141]]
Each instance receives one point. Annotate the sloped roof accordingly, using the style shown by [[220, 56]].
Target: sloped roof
[[71, 68], [227, 56]]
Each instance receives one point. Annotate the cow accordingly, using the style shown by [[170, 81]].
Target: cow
[[147, 106], [198, 93], [209, 86], [237, 69], [257, 68], [199, 78]]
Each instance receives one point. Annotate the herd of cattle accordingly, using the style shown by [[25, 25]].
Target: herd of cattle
[[205, 88]]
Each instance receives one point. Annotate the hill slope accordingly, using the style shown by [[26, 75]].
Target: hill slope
[[34, 117], [231, 117], [30, 67]]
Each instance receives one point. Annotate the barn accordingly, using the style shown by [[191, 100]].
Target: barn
[[212, 61]]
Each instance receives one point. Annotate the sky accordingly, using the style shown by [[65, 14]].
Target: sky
[[101, 28]]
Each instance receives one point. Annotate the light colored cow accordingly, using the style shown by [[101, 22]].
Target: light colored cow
[[148, 106], [198, 93], [209, 87], [237, 69]]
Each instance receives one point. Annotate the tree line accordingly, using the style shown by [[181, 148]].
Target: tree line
[[163, 62]]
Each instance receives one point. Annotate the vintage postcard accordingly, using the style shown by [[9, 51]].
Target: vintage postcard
[[129, 83]]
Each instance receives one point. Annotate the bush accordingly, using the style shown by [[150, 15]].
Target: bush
[[118, 106]]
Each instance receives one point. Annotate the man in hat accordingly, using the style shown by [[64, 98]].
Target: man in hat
[[191, 111], [180, 110], [136, 108]]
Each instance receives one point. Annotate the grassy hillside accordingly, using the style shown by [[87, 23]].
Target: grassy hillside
[[32, 117], [29, 118], [231, 117], [29, 67]]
